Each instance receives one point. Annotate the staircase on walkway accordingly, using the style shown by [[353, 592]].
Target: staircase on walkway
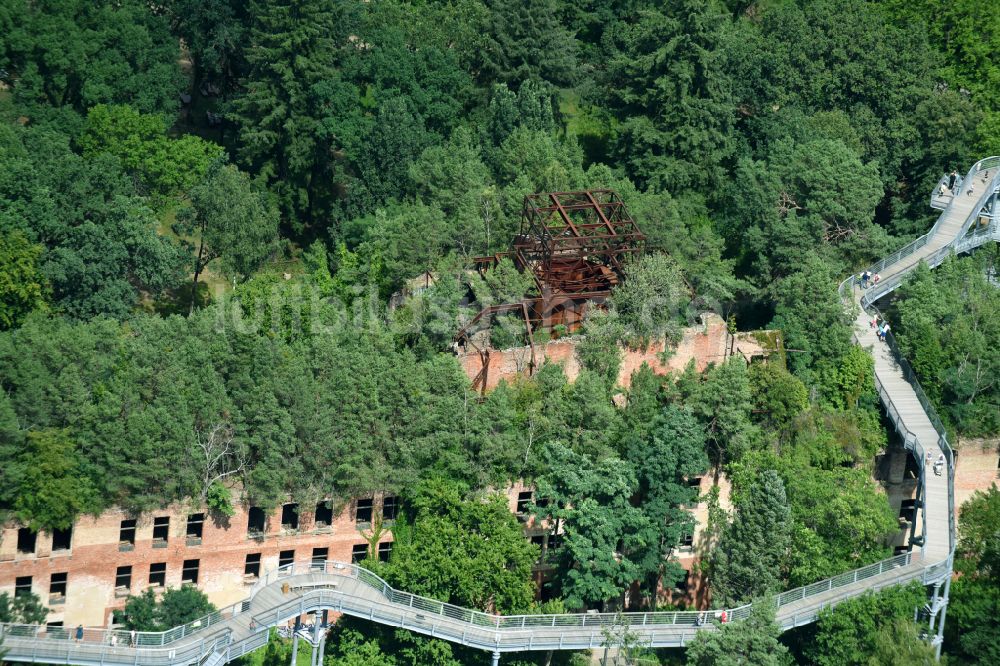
[[967, 220]]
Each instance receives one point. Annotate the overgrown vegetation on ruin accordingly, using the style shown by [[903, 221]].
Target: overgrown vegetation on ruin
[[217, 272]]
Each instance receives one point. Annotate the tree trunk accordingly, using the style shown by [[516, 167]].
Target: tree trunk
[[197, 271]]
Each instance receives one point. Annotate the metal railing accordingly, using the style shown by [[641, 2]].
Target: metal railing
[[210, 634], [914, 245]]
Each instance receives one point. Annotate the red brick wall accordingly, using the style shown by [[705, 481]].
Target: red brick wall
[[705, 344], [94, 557]]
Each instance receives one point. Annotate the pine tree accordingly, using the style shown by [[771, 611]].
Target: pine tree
[[666, 84], [279, 130], [751, 554]]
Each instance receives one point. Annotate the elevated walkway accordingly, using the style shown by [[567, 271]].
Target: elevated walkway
[[966, 222]]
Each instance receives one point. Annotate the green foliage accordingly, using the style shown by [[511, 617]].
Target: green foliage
[[470, 552], [665, 458], [649, 304], [234, 221], [779, 397], [526, 40], [79, 53], [971, 636], [49, 489], [946, 323], [22, 286], [289, 87], [22, 609], [589, 501], [750, 557], [723, 401], [859, 631], [816, 327], [218, 498], [101, 250], [175, 607], [840, 521], [671, 95], [967, 34], [599, 350], [165, 166], [749, 642]]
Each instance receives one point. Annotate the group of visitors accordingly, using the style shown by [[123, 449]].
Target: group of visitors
[[881, 328], [954, 181], [868, 278], [938, 465], [702, 618]]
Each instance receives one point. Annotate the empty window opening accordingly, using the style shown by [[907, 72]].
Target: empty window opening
[[57, 587], [912, 470], [290, 517], [538, 540], [158, 574], [62, 539], [359, 552], [523, 500], [694, 482], [390, 507], [320, 556], [123, 579], [908, 510], [161, 530], [22, 586], [364, 511], [194, 525], [126, 536], [54, 625], [189, 572], [26, 539], [252, 566], [687, 540], [286, 557], [899, 550], [324, 514], [384, 550], [555, 541], [256, 520]]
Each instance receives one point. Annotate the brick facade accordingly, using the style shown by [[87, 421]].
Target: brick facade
[[705, 344], [977, 467], [96, 552]]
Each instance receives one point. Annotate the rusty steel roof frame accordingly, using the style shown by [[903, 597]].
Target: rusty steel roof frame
[[591, 226], [573, 244]]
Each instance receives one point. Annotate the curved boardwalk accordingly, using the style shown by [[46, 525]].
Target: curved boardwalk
[[300, 589]]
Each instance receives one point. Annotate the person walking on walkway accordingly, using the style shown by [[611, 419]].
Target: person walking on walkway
[[939, 464], [864, 279], [131, 638], [952, 177], [885, 330], [79, 633]]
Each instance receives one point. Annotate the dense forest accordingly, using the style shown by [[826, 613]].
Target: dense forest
[[207, 206]]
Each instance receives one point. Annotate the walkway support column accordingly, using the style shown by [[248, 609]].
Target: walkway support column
[[322, 649], [315, 646], [496, 659], [935, 600], [944, 612], [295, 647]]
